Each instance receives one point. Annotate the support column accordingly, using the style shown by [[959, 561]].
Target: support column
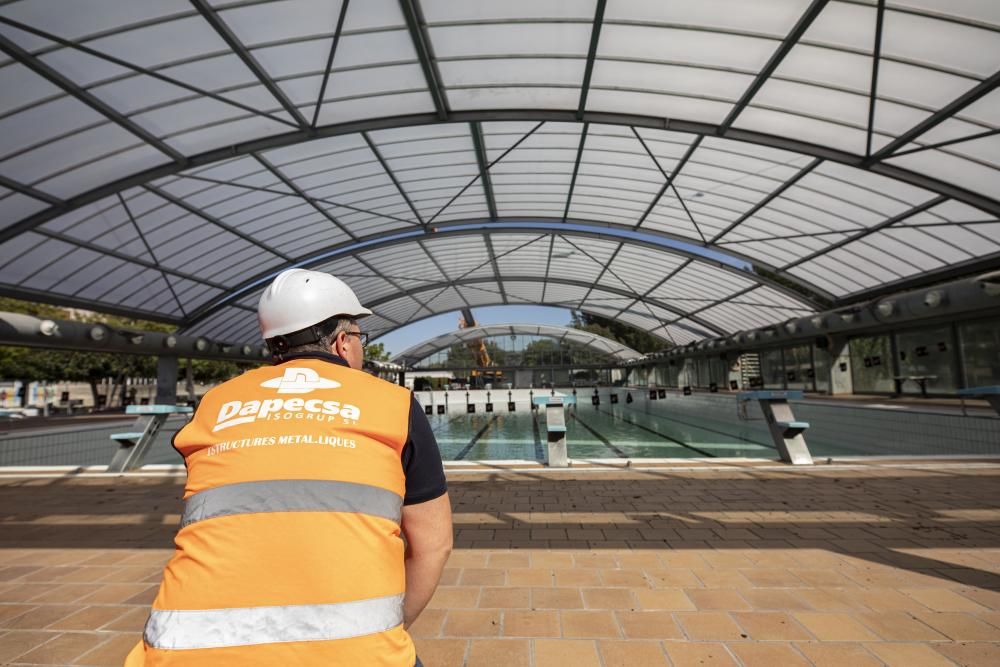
[[166, 380], [733, 373], [839, 368], [555, 422]]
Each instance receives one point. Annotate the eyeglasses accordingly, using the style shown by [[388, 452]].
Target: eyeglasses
[[362, 336]]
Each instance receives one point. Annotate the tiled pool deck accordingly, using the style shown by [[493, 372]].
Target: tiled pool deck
[[694, 564]]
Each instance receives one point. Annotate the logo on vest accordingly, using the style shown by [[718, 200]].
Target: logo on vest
[[294, 381], [299, 381]]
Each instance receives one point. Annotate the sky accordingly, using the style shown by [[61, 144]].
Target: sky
[[413, 334]]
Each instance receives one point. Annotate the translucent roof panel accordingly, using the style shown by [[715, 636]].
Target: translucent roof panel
[[648, 286], [611, 348], [191, 149]]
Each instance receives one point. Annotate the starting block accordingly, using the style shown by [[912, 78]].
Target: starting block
[[555, 423], [786, 431], [991, 394], [133, 445]]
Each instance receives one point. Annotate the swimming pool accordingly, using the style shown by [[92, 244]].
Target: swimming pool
[[591, 432]]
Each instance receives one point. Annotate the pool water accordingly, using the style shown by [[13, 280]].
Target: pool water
[[591, 432]]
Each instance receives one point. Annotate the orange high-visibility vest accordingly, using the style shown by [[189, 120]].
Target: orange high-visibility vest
[[289, 551]]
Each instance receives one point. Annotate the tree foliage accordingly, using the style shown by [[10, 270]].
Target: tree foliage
[[41, 365], [376, 352], [617, 331]]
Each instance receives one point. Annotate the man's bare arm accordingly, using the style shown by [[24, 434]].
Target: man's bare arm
[[428, 531]]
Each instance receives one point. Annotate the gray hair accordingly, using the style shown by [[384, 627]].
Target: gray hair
[[325, 342]]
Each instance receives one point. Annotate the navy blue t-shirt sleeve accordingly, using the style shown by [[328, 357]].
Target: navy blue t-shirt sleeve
[[422, 460]]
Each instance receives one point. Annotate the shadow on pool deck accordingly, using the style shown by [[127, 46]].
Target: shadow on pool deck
[[875, 514], [738, 565]]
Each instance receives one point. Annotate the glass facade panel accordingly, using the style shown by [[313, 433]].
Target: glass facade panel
[[930, 354], [871, 364], [799, 371], [981, 352], [772, 369], [821, 369]]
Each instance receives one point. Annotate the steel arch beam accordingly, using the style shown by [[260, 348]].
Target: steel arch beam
[[324, 256], [985, 203]]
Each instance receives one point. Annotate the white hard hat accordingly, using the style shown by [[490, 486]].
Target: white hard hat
[[298, 298]]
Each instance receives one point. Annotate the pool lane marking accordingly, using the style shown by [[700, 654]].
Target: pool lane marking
[[607, 443], [713, 430], [465, 450], [662, 435], [539, 451], [448, 422]]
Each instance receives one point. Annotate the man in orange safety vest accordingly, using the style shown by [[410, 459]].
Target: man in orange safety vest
[[316, 520]]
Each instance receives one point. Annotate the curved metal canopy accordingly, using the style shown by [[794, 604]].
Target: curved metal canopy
[[677, 296], [600, 344], [158, 158]]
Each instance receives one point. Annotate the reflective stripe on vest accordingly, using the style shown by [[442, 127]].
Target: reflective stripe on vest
[[296, 495], [218, 628]]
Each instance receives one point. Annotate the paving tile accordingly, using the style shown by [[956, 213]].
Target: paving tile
[[777, 578], [631, 653], [111, 653], [761, 625], [64, 648], [40, 617], [533, 577], [594, 559], [728, 578], [449, 576], [709, 625], [768, 654], [938, 599], [462, 558], [898, 626], [670, 599], [428, 624], [837, 654], [89, 618], [19, 642], [717, 598], [771, 598], [441, 652], [608, 598], [566, 653], [829, 626], [117, 594], [481, 576], [971, 654], [958, 626], [520, 623], [831, 599], [507, 598], [11, 611], [589, 625], [908, 655], [675, 578], [556, 598], [648, 625], [455, 597], [508, 560], [64, 593], [575, 578], [699, 654], [472, 623], [623, 578], [29, 592], [492, 652], [552, 559], [884, 599]]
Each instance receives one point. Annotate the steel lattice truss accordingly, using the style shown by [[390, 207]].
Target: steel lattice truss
[[162, 159], [612, 349]]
